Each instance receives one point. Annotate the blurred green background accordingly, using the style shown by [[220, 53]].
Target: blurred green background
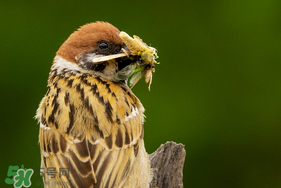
[[217, 89]]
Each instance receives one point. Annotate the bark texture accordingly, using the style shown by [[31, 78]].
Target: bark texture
[[167, 163]]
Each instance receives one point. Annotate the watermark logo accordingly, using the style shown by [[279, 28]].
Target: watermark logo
[[21, 176]]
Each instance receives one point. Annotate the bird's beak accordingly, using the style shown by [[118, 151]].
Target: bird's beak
[[109, 57], [122, 53], [125, 49]]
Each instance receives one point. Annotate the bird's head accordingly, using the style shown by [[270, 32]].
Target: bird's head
[[89, 42]]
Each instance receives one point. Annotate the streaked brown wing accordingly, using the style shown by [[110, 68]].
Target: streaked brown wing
[[60, 154], [91, 131]]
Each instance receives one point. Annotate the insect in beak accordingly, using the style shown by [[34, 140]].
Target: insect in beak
[[142, 59]]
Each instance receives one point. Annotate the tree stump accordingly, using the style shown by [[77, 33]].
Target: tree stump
[[167, 164]]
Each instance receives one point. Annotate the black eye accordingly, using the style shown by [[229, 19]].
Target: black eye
[[103, 45]]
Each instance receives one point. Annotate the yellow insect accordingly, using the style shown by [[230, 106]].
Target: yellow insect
[[147, 55], [145, 64]]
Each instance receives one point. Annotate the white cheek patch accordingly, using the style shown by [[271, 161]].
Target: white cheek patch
[[62, 66], [133, 114], [94, 58]]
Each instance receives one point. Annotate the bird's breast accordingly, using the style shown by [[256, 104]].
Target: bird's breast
[[80, 103]]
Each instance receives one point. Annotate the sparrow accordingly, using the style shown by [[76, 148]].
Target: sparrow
[[91, 123]]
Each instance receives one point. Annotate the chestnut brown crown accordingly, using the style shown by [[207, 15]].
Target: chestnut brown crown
[[87, 38]]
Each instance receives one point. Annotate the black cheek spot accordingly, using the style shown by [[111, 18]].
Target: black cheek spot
[[100, 67], [90, 66]]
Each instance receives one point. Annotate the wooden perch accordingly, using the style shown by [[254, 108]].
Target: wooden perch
[[167, 163]]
